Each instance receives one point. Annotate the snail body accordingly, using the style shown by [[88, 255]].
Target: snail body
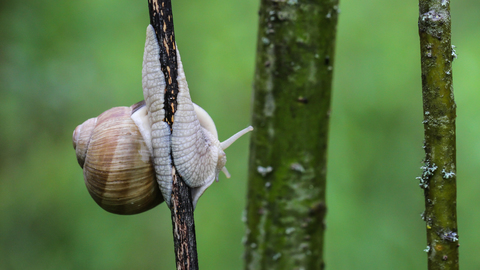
[[128, 153], [153, 84], [197, 153]]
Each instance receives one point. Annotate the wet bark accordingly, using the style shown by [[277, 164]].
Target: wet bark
[[183, 223], [291, 107], [439, 171]]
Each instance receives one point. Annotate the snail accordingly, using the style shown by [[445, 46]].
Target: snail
[[125, 149]]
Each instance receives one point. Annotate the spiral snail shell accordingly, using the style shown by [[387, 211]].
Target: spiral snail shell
[[125, 149], [116, 162]]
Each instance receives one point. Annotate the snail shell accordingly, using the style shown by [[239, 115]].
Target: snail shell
[[116, 160], [197, 153]]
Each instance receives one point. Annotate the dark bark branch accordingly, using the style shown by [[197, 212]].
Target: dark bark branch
[[439, 172], [183, 224], [161, 18], [287, 168]]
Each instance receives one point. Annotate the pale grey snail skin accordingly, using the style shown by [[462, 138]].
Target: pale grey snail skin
[[153, 84], [116, 161], [197, 153]]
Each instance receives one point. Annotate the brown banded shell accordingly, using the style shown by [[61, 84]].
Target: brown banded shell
[[81, 138], [117, 167]]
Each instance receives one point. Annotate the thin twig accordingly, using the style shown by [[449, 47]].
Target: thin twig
[[183, 224], [439, 172]]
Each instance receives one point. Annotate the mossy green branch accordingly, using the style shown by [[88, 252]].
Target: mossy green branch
[[291, 106], [439, 172]]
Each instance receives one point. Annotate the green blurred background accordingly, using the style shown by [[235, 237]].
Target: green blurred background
[[62, 62]]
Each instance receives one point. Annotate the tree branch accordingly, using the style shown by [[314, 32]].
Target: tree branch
[[287, 168], [439, 172], [183, 223]]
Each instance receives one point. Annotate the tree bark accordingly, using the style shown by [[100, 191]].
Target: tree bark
[[183, 223], [291, 108], [439, 172]]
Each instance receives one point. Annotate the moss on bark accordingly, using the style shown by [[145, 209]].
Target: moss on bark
[[439, 172], [291, 106]]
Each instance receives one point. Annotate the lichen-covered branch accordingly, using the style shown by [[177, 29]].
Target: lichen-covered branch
[[287, 168], [183, 223], [439, 172]]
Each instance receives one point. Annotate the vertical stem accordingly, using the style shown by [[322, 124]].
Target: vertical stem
[[183, 223], [439, 172], [161, 18], [291, 107]]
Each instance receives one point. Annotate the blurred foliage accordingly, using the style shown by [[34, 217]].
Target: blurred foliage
[[64, 62]]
